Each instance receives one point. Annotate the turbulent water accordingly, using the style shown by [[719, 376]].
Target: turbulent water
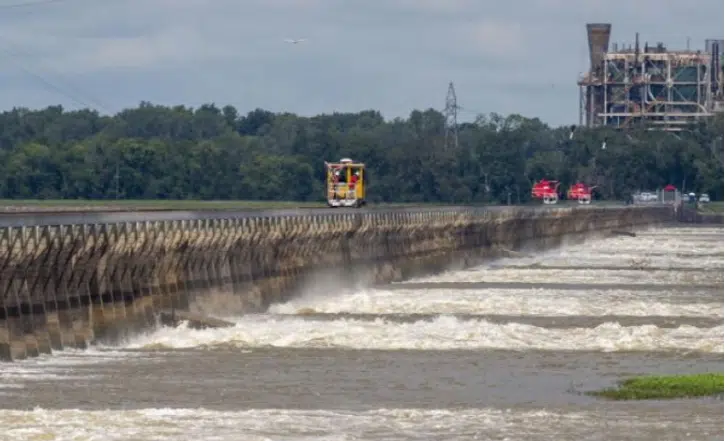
[[499, 352]]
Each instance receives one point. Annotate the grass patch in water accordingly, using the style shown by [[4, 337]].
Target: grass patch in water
[[665, 386]]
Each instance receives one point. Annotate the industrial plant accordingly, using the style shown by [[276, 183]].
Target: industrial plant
[[647, 85]]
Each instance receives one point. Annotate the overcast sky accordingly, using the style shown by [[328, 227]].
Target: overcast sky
[[516, 56]]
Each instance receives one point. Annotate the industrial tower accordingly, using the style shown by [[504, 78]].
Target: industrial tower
[[650, 86], [451, 123]]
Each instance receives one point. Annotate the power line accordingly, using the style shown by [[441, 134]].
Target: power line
[[80, 101], [73, 95], [34, 3], [40, 78], [47, 83], [50, 84], [471, 111]]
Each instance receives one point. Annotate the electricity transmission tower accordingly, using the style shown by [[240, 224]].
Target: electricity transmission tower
[[451, 123]]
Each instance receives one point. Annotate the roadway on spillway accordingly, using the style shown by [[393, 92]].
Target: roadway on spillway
[[44, 218]]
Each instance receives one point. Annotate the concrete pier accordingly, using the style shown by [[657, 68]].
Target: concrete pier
[[69, 280]]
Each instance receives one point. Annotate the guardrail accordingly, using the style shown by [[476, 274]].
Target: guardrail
[[85, 218]]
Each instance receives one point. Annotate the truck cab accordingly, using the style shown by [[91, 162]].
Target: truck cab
[[345, 183]]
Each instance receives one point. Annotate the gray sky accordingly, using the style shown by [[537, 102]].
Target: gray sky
[[517, 56]]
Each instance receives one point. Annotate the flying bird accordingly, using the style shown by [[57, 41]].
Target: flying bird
[[299, 40]]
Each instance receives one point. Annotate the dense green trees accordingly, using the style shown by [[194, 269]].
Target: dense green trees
[[213, 153]]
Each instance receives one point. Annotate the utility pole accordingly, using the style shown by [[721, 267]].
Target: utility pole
[[451, 123], [118, 180]]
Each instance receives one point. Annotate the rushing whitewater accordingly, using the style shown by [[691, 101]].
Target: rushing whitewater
[[416, 360], [591, 302], [322, 319], [384, 424], [442, 332]]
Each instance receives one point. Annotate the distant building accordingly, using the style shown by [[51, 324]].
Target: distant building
[[649, 85]]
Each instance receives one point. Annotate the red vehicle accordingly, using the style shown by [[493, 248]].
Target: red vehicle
[[546, 190], [581, 193]]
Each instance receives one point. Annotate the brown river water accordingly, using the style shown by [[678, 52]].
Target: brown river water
[[446, 357]]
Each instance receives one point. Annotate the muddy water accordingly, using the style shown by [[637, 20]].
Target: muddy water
[[460, 355]]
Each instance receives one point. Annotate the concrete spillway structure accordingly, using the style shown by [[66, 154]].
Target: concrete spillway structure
[[66, 281]]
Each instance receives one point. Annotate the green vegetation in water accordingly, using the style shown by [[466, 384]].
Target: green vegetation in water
[[665, 386]]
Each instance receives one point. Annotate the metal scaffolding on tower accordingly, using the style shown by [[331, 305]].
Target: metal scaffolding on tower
[[451, 122], [650, 86]]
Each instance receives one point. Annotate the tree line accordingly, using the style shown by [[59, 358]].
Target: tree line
[[212, 153]]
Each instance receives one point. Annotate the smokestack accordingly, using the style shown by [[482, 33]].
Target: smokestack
[[598, 35], [636, 47], [714, 66]]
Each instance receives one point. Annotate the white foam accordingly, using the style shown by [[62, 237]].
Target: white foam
[[660, 243], [331, 425], [621, 260], [684, 230], [501, 301], [663, 246], [638, 252], [513, 274], [443, 332], [657, 248], [689, 234]]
